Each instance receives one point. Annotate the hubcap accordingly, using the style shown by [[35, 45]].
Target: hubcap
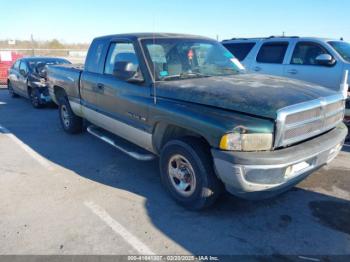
[[181, 175], [65, 115]]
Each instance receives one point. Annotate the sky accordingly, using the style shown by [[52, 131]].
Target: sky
[[81, 20]]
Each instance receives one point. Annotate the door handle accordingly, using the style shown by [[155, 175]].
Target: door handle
[[100, 86], [257, 68], [292, 71]]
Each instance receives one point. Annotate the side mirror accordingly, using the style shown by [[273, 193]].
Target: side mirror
[[42, 73], [325, 60], [127, 71]]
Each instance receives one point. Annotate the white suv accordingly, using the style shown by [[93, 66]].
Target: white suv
[[317, 60]]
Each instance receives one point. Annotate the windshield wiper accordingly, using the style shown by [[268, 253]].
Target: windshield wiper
[[184, 76], [189, 75]]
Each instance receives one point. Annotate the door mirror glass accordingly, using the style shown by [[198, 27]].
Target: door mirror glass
[[122, 62], [22, 72], [325, 60], [126, 71]]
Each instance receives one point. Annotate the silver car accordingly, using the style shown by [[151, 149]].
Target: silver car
[[316, 60]]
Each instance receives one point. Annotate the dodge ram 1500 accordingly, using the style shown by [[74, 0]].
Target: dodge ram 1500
[[188, 100]]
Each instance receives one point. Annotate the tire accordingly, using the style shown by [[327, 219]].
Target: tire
[[34, 96], [10, 89], [194, 186], [70, 122]]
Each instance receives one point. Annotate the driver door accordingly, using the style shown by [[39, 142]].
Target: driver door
[[303, 66], [124, 103]]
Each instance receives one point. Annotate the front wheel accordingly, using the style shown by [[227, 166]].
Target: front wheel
[[70, 122], [34, 96], [187, 173]]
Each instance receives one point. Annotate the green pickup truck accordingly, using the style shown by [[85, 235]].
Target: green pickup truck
[[189, 101]]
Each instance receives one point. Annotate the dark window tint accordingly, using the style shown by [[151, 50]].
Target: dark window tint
[[240, 50], [305, 53], [272, 53], [95, 59]]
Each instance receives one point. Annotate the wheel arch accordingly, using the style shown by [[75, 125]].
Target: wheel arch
[[164, 132], [59, 92]]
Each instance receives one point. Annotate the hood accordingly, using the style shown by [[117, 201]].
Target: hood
[[254, 94]]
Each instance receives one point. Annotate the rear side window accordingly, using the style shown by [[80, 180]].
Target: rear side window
[[240, 50], [95, 60], [272, 53]]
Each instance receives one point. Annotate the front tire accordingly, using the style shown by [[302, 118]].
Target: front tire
[[34, 96], [70, 122], [187, 173]]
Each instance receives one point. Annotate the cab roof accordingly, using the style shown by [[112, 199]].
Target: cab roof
[[279, 38], [136, 36]]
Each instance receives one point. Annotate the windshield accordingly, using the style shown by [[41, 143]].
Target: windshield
[[39, 65], [342, 48], [174, 59]]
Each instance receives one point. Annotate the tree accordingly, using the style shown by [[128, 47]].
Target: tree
[[55, 44]]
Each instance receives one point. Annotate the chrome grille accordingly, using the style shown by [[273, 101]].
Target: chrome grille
[[303, 116], [302, 121]]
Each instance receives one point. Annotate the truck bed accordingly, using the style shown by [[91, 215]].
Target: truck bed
[[66, 77]]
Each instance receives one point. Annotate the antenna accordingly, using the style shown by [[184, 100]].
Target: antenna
[[154, 65]]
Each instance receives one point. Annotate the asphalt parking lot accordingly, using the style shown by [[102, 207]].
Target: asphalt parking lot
[[73, 194]]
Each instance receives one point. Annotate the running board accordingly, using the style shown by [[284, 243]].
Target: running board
[[131, 150]]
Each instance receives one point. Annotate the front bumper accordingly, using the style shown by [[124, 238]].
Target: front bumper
[[258, 175]]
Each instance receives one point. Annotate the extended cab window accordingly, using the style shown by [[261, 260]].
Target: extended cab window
[[305, 53], [95, 58], [240, 50], [119, 53], [272, 53]]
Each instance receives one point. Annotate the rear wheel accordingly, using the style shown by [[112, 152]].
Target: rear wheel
[[187, 173], [10, 89], [70, 122]]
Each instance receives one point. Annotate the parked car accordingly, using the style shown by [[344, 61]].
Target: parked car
[[185, 99], [316, 60], [27, 78]]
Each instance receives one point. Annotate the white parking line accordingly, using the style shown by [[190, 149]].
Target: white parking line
[[41, 160], [119, 229]]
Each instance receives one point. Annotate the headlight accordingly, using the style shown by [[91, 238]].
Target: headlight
[[246, 142]]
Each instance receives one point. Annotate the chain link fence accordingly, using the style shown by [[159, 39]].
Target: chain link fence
[[9, 56]]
